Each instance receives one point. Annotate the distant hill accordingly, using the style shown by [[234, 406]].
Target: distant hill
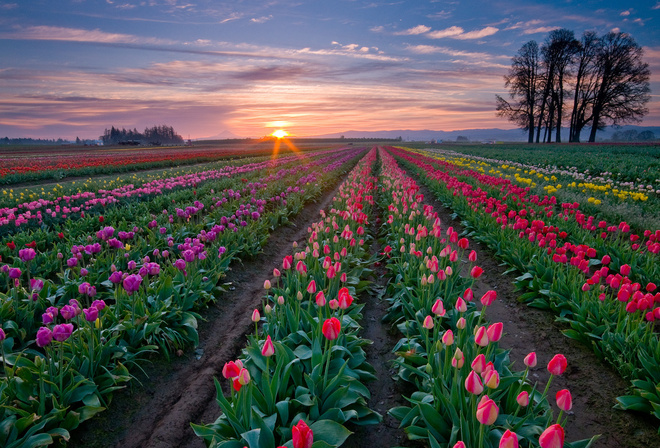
[[478, 135], [221, 136]]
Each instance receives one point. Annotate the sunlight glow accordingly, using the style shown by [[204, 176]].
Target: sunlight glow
[[280, 133]]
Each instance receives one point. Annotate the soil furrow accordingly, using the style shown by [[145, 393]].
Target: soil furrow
[[593, 384], [174, 394]]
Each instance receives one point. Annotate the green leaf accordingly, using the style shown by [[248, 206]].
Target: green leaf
[[330, 432]]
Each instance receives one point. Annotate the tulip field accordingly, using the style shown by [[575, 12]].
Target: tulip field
[[100, 279]]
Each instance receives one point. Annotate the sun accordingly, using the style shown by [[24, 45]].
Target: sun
[[280, 133]]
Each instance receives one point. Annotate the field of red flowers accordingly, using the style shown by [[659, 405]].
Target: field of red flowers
[[323, 299]]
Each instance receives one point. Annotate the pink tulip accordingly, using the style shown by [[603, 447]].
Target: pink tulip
[[311, 287], [461, 323], [557, 364], [509, 440], [461, 306], [320, 299], [473, 383], [428, 323], [487, 411], [269, 348], [479, 363], [481, 337], [256, 316], [494, 331], [564, 400], [530, 360], [492, 379], [267, 285], [552, 437], [448, 338], [244, 377], [459, 444], [523, 398]]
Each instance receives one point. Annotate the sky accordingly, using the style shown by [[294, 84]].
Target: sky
[[246, 68]]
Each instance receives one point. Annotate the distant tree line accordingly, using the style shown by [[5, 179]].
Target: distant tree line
[[632, 135], [157, 135], [32, 141], [605, 77]]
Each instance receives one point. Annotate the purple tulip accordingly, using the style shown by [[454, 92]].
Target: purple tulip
[[166, 253], [132, 283], [116, 277], [26, 254], [52, 310], [71, 262], [143, 272], [60, 255], [132, 265], [163, 230], [14, 273], [83, 272], [221, 250], [68, 312], [3, 336], [180, 264], [115, 243], [91, 313], [36, 284], [189, 256], [62, 332], [98, 304], [91, 292], [44, 336], [83, 288], [47, 318]]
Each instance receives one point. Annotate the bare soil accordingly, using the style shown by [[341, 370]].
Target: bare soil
[[158, 412]]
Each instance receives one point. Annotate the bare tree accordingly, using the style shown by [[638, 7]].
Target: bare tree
[[585, 84], [623, 82], [522, 81]]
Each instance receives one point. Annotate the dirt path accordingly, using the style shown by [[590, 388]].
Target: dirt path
[[159, 413], [593, 384]]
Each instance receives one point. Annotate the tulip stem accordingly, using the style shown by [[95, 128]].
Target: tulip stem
[[328, 347]]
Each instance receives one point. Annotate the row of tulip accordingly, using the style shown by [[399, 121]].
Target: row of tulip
[[605, 293], [519, 195], [300, 379], [465, 392], [68, 342], [42, 211], [35, 165]]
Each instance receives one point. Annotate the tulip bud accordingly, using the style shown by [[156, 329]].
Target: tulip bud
[[267, 285], [268, 349], [564, 400], [492, 379], [530, 360], [280, 300], [552, 437], [244, 377], [481, 337], [557, 365], [487, 411], [473, 383], [256, 316], [299, 296], [448, 338], [523, 398], [428, 322], [479, 363], [438, 308], [461, 306], [509, 440], [460, 323], [494, 331]]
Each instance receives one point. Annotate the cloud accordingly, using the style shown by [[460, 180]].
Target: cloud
[[541, 29], [440, 15], [625, 13], [432, 49], [656, 6], [262, 19], [419, 29], [456, 32], [80, 35], [377, 29], [524, 25], [8, 6], [447, 32]]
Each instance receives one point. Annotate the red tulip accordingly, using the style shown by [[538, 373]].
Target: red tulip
[[488, 298], [331, 328], [487, 411], [269, 348], [11, 245], [302, 435], [459, 444], [564, 400], [509, 440], [557, 364], [230, 370], [552, 437], [476, 272]]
